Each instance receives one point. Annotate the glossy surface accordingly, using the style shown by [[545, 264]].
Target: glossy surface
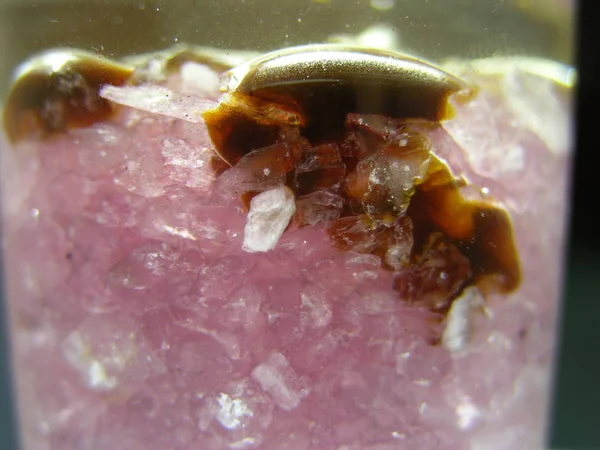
[[320, 85], [58, 90]]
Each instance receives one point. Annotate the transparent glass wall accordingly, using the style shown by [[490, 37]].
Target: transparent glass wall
[[284, 225]]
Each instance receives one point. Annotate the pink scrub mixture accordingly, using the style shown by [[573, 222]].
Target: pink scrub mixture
[[145, 315]]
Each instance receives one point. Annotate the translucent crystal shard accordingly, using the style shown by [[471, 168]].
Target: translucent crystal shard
[[269, 215]]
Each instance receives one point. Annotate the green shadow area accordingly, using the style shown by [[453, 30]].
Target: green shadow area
[[576, 416]]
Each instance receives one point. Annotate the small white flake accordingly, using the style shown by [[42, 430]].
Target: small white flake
[[243, 443], [270, 214], [467, 414], [99, 364], [178, 231], [232, 411], [456, 333], [397, 435], [276, 377], [97, 377], [199, 79]]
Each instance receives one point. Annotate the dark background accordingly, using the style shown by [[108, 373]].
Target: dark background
[[432, 28], [576, 414]]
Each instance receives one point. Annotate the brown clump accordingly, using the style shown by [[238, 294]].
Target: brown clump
[[381, 190], [243, 123], [359, 128], [481, 230], [470, 241], [58, 91], [435, 276]]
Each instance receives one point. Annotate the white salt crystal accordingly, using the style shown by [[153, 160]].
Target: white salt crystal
[[537, 104], [467, 414], [232, 412], [199, 79], [158, 100], [276, 377], [270, 214], [456, 333], [97, 366]]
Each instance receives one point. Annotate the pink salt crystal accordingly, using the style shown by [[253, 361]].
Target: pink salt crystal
[[259, 170], [112, 207], [240, 412], [100, 148], [184, 214], [537, 104], [421, 363], [209, 282], [158, 100], [186, 164], [326, 274], [159, 269], [117, 360], [276, 377], [316, 310], [319, 207], [241, 312]]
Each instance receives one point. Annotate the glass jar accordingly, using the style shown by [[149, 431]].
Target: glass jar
[[310, 225]]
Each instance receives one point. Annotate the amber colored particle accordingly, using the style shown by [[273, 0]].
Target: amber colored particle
[[358, 233], [260, 170], [390, 129], [330, 178], [319, 208], [384, 182], [218, 165], [267, 168], [321, 84], [319, 168], [481, 230], [244, 122], [475, 235], [318, 157], [57, 91], [437, 276]]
